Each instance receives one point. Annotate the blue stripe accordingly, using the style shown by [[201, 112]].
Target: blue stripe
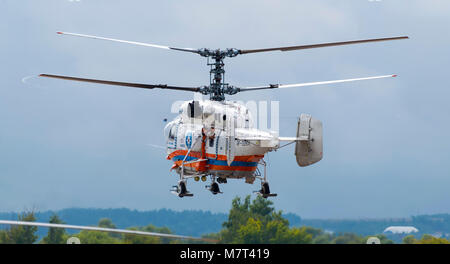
[[181, 157], [218, 162], [234, 163]]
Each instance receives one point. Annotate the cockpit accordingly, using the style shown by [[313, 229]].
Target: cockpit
[[170, 131]]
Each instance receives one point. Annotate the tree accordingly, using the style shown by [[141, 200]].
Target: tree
[[55, 235], [4, 239], [323, 238], [383, 239], [21, 234], [348, 238], [98, 237], [410, 239], [429, 239], [136, 239], [250, 233], [257, 222], [106, 223]]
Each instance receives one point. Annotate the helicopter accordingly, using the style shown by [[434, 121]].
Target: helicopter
[[215, 138]]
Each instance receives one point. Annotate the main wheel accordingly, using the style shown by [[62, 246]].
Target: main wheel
[[265, 188], [215, 188], [182, 188]]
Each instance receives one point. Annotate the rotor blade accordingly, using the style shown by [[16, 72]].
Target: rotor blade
[[273, 86], [128, 42], [289, 48], [136, 85], [102, 229]]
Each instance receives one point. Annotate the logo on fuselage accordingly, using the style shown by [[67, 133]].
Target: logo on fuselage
[[188, 140]]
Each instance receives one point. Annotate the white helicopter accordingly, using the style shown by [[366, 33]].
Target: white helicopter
[[215, 138]]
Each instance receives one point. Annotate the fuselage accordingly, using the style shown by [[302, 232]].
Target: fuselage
[[216, 138]]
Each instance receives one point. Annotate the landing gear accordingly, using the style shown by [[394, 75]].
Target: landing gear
[[180, 190], [221, 180], [265, 189], [214, 187]]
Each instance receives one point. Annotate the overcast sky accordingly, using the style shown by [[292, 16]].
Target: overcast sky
[[386, 142]]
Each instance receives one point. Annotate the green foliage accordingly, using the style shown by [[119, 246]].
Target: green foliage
[[409, 240], [257, 222], [429, 239], [4, 237], [17, 234], [197, 223], [348, 238], [426, 239], [106, 223], [137, 239], [323, 238], [249, 221], [55, 235], [98, 237], [383, 239]]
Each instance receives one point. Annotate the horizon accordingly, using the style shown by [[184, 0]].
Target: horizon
[[208, 211]]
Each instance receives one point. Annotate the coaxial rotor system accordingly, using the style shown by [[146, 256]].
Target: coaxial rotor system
[[218, 88]]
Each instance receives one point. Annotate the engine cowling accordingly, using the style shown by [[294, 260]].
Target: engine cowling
[[309, 149]]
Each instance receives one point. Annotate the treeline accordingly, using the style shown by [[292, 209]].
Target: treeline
[[248, 222], [17, 234], [196, 223], [426, 224]]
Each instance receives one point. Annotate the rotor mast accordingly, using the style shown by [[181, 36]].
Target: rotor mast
[[217, 87]]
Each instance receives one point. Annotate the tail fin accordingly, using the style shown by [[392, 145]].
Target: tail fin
[[309, 149]]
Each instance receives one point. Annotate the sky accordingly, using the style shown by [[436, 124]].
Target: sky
[[67, 144]]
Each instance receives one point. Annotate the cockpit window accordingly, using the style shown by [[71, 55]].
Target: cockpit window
[[169, 130], [172, 132]]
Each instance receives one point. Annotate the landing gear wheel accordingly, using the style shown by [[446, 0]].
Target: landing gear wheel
[[265, 190], [180, 190], [214, 188]]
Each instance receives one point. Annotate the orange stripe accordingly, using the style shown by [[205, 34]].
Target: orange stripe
[[231, 168], [196, 154], [196, 165], [217, 167]]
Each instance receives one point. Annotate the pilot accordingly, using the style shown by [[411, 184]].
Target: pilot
[[210, 132]]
